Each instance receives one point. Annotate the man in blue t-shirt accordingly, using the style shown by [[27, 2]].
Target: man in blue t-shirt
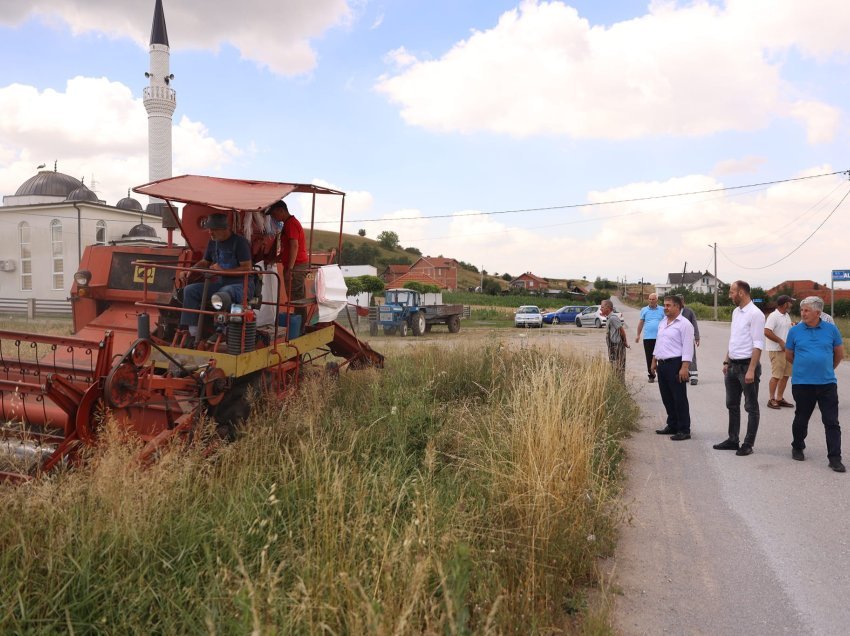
[[814, 347], [650, 316], [225, 251]]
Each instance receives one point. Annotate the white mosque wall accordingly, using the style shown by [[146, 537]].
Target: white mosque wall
[[49, 272]]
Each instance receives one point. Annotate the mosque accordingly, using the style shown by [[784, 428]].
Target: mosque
[[52, 216]]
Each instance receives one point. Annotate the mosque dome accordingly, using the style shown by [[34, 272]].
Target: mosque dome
[[142, 231], [130, 204], [50, 183], [82, 194]]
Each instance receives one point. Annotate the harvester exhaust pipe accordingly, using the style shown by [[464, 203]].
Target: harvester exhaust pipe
[[143, 326]]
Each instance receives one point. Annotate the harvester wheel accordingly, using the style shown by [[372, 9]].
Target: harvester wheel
[[234, 408], [454, 324], [418, 324]]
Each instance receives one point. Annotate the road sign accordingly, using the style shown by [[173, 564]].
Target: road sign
[[840, 275]]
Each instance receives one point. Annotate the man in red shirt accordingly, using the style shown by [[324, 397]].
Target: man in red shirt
[[292, 250]]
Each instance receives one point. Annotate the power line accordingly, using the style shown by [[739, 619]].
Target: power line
[[805, 240], [587, 205]]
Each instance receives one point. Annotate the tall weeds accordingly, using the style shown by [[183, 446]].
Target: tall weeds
[[455, 492]]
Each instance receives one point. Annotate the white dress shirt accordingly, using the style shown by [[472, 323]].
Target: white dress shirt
[[675, 339], [747, 332]]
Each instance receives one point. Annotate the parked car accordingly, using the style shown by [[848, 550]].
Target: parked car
[[563, 315], [591, 317], [528, 316]]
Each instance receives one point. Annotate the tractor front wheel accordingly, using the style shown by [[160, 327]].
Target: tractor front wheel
[[402, 329]]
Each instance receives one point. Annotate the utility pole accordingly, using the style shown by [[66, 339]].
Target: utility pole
[[641, 290], [716, 280]]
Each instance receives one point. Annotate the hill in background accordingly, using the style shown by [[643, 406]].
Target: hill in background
[[361, 250]]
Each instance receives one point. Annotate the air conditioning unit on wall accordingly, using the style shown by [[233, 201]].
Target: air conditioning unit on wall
[[7, 265]]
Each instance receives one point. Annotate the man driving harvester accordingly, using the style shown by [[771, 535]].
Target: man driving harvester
[[225, 251]]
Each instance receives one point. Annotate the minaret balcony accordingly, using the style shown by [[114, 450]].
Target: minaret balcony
[[159, 92]]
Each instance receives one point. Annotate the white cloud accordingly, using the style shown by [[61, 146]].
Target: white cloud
[[96, 128], [745, 165], [653, 238], [678, 70], [400, 58], [272, 33], [821, 120]]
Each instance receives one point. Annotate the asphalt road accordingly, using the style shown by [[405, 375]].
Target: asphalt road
[[721, 544]]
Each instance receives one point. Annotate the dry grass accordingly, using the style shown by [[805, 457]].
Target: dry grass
[[455, 492]]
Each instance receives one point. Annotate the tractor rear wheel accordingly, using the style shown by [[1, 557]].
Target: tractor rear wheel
[[417, 323], [454, 324]]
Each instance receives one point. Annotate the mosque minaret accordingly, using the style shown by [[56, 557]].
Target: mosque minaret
[[160, 101]]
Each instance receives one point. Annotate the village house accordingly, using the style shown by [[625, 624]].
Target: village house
[[800, 289], [393, 271], [442, 270], [530, 283], [697, 282]]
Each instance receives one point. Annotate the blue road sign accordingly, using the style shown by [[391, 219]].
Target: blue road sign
[[840, 275]]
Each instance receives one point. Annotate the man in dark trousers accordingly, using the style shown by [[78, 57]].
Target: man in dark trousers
[[815, 349], [742, 369], [674, 350], [650, 316]]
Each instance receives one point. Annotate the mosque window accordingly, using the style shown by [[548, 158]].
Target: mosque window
[[58, 251], [26, 255], [100, 233]]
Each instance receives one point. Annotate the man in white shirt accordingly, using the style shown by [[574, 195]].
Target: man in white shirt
[[775, 331], [742, 369], [674, 350]]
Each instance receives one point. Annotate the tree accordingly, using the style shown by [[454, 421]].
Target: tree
[[388, 239], [422, 288], [361, 232], [358, 284], [413, 250], [507, 277], [491, 287]]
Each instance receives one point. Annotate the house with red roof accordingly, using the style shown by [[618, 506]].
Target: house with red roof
[[530, 283], [443, 270]]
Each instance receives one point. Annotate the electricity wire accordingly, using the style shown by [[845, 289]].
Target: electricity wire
[[570, 206], [804, 241]]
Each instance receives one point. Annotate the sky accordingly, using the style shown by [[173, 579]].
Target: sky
[[570, 139]]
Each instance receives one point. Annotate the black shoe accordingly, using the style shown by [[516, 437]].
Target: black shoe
[[678, 437], [837, 466], [666, 431], [745, 449], [651, 379], [797, 454], [727, 445]]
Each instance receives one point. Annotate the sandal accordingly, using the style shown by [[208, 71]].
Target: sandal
[[782, 402], [773, 404]]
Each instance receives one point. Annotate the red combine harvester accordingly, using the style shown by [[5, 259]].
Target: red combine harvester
[[128, 358]]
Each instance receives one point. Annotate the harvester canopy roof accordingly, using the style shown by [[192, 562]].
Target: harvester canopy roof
[[227, 194]]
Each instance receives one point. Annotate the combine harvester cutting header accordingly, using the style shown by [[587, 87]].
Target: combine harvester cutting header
[[129, 358]]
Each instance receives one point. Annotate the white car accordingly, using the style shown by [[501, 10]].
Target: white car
[[591, 317], [528, 316]]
